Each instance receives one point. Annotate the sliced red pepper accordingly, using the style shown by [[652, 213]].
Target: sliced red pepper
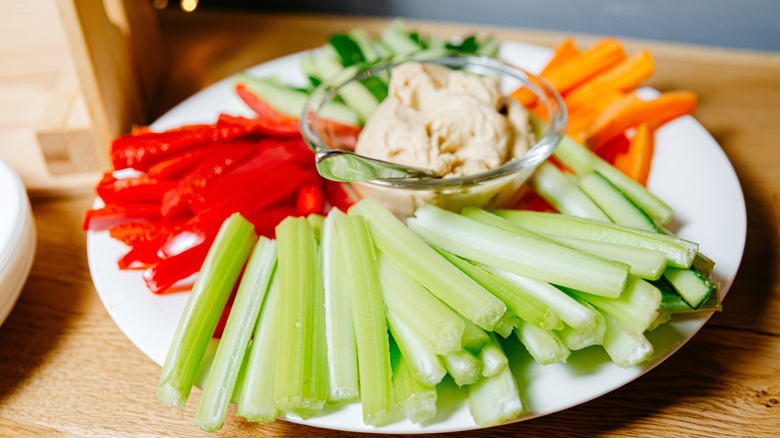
[[142, 148], [311, 198], [174, 202], [272, 154], [177, 165], [269, 119], [135, 233], [338, 135], [141, 256], [531, 200], [111, 215], [135, 189], [337, 195], [266, 220], [165, 274]]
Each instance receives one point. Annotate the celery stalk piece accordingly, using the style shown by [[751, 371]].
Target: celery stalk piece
[[204, 306], [518, 301], [492, 357], [636, 308], [317, 222], [221, 381], [583, 161], [474, 338], [662, 318], [506, 324], [545, 346], [340, 332], [567, 308], [679, 252], [577, 340], [425, 365], [644, 263], [625, 348], [439, 325], [536, 258], [301, 362], [565, 195], [496, 399], [445, 281], [365, 294], [464, 367], [418, 401], [256, 401]]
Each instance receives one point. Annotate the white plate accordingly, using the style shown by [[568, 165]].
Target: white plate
[[690, 172]]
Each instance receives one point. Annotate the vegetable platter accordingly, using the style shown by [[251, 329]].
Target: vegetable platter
[[689, 172]]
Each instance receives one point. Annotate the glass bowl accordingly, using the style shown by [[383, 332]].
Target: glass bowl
[[496, 188]]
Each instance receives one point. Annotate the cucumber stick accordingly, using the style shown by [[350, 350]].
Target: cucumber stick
[[371, 337], [221, 380], [428, 267], [535, 258], [219, 274], [301, 368]]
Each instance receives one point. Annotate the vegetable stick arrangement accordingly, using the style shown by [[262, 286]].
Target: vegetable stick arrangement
[[335, 301]]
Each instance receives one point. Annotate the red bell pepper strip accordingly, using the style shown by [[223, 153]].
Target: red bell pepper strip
[[337, 195], [143, 148], [136, 233], [311, 198], [269, 119], [111, 215], [135, 189], [174, 202], [141, 256], [173, 167], [338, 135], [266, 220], [163, 275], [272, 154]]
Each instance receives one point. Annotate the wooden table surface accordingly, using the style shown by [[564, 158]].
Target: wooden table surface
[[67, 370]]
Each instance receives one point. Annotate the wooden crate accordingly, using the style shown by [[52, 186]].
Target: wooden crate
[[113, 84]]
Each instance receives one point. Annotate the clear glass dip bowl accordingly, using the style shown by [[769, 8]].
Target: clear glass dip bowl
[[496, 188]]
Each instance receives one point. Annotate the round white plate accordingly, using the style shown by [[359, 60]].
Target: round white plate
[[690, 172]]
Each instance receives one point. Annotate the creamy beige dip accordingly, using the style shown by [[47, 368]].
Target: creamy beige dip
[[450, 122]]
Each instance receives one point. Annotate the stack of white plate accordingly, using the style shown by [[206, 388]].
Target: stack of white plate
[[17, 238]]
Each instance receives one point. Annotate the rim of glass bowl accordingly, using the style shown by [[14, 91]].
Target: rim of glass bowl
[[544, 92]]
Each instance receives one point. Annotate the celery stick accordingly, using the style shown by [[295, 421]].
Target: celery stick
[[679, 252], [463, 367], [425, 365], [445, 281], [662, 318], [492, 357], [518, 301], [506, 324], [256, 401], [474, 338], [580, 159], [545, 346], [644, 263], [365, 294], [439, 325], [221, 381], [625, 347], [496, 399], [204, 306], [340, 332], [567, 308], [636, 308], [577, 340], [317, 222], [301, 379], [565, 195], [418, 401], [536, 258]]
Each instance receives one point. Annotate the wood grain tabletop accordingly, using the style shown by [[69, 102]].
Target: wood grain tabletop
[[66, 370]]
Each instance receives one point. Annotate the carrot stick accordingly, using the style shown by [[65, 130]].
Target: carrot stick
[[635, 163], [577, 69], [564, 52], [598, 111], [667, 106], [624, 76]]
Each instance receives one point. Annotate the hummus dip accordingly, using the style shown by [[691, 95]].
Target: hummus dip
[[450, 122]]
